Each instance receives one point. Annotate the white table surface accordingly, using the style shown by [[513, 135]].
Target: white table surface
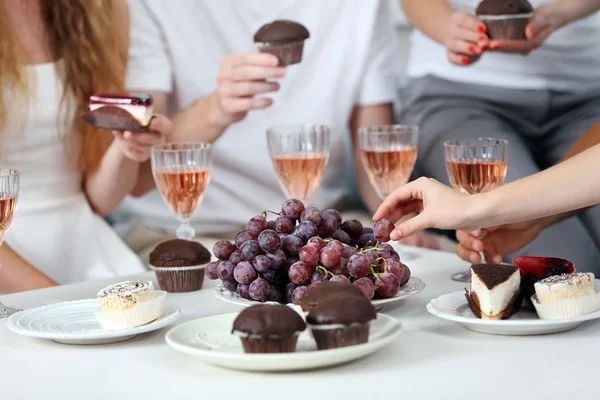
[[431, 359]]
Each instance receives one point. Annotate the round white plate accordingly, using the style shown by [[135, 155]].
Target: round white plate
[[74, 322], [413, 287], [454, 307], [211, 341]]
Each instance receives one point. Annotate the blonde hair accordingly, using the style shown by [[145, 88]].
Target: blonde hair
[[92, 46]]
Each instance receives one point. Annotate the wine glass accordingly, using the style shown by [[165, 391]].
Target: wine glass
[[299, 154], [9, 193], [182, 171], [475, 166]]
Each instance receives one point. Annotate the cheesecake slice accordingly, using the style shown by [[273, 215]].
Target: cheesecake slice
[[120, 112], [494, 291]]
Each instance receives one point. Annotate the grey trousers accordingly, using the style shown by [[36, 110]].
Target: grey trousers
[[540, 127]]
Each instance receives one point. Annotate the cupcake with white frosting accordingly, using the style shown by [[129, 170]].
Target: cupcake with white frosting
[[566, 296]]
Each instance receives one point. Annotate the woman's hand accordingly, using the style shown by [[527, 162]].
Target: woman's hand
[[468, 39], [137, 146]]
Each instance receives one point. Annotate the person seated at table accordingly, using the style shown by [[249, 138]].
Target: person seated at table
[[221, 90], [540, 94], [54, 56], [566, 187]]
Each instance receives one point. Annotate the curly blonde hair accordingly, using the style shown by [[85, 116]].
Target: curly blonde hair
[[90, 39]]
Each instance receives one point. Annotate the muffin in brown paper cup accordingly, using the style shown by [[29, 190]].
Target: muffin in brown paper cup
[[506, 27], [257, 344], [284, 39], [335, 336], [179, 265]]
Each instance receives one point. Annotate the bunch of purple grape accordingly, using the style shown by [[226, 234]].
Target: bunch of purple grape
[[280, 260]]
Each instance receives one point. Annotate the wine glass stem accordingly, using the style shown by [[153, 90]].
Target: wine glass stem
[[185, 231]]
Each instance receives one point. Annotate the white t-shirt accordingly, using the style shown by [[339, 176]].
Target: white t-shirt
[[569, 60], [349, 59]]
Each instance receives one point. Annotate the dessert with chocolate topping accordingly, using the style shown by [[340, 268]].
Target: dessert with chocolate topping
[[179, 265], [341, 321], [566, 296], [267, 328], [326, 290], [505, 19], [284, 39], [120, 112], [534, 269], [495, 291]]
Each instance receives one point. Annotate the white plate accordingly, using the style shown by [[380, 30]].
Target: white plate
[[454, 307], [413, 287], [74, 322], [211, 341]]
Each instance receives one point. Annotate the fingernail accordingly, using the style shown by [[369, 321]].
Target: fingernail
[[472, 49], [494, 46], [396, 235], [474, 258], [477, 246], [498, 259], [464, 60], [482, 28], [531, 32], [484, 48], [482, 38]]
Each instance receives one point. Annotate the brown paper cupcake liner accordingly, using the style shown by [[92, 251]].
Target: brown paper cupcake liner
[[288, 54], [179, 279], [340, 337], [113, 118], [506, 27], [269, 345]]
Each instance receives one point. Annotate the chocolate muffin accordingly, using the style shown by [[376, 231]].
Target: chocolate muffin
[[341, 321], [267, 328], [284, 39], [326, 290], [179, 265], [505, 19]]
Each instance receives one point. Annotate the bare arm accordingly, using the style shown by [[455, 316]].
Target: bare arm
[[432, 17], [17, 275]]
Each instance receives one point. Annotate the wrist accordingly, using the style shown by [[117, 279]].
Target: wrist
[[217, 118], [482, 211], [563, 13]]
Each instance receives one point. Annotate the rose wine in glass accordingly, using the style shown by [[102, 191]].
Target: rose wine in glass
[[9, 193], [299, 154], [182, 173], [475, 166]]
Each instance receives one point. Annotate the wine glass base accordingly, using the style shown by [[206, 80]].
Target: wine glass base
[[462, 276], [6, 312]]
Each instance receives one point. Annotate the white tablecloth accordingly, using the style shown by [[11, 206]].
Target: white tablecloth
[[432, 358]]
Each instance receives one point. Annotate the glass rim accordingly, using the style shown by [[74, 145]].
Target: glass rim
[[409, 129], [321, 127], [165, 147], [498, 142], [6, 172]]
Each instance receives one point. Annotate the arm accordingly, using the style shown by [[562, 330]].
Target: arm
[[17, 275]]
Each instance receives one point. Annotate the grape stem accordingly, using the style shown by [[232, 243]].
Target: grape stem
[[327, 272], [265, 213], [376, 274], [327, 240]]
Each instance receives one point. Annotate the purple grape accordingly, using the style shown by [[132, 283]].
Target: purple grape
[[311, 214], [386, 250], [289, 291], [285, 225], [230, 285], [256, 224], [300, 273], [259, 289], [328, 225], [395, 267], [312, 285], [244, 273], [406, 276], [243, 237], [336, 244], [341, 236], [367, 240], [395, 255], [306, 230], [371, 255], [250, 250], [309, 254], [292, 208], [389, 285], [317, 242], [366, 230], [366, 286], [330, 257], [225, 270], [298, 294], [291, 244], [261, 263], [290, 261], [274, 294], [244, 291], [336, 214], [348, 251], [318, 276], [212, 270], [268, 275], [353, 228], [271, 225], [382, 230], [342, 269], [277, 259], [358, 266], [236, 257], [340, 278], [223, 249], [269, 241]]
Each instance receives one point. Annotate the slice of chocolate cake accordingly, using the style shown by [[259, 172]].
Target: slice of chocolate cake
[[494, 291]]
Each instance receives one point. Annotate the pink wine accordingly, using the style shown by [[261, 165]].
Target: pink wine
[[471, 177], [389, 169], [7, 209], [184, 190], [300, 174]]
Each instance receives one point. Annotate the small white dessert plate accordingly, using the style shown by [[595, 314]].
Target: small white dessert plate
[[454, 307], [74, 322], [412, 288], [211, 341]]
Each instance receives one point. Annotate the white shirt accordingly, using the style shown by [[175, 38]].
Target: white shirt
[[569, 60], [349, 59]]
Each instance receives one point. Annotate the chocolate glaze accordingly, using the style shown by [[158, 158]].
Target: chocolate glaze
[[504, 7], [179, 253], [342, 309], [280, 32], [266, 320], [113, 118], [326, 290], [493, 275]]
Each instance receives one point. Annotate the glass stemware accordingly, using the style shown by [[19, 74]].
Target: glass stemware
[[475, 166], [299, 154], [9, 194], [182, 172]]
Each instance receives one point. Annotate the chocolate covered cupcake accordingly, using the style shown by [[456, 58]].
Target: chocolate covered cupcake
[[325, 291], [341, 321], [505, 19], [179, 265], [284, 39], [267, 328]]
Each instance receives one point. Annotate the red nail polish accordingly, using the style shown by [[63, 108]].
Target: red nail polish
[[531, 32], [472, 49], [481, 28], [484, 48], [482, 38], [494, 47], [464, 60]]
